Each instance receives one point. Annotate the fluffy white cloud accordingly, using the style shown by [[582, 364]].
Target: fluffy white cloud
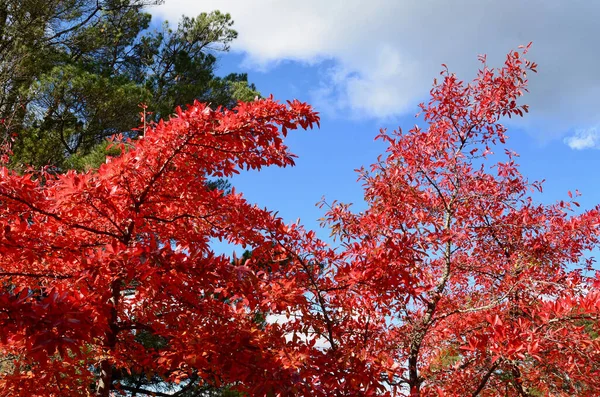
[[584, 139], [385, 53]]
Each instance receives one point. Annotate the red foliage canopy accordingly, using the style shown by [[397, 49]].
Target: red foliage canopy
[[452, 282], [91, 261], [455, 283]]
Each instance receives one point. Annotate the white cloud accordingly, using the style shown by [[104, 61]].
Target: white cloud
[[386, 53], [584, 139]]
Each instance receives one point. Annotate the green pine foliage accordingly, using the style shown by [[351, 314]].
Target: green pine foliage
[[75, 72]]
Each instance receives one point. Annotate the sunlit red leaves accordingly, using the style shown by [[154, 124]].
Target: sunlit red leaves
[[91, 262], [451, 282], [459, 261]]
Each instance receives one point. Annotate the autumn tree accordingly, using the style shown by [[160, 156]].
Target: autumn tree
[[91, 262], [74, 72], [454, 281]]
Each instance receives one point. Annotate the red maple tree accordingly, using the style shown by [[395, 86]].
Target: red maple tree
[[92, 262], [453, 281]]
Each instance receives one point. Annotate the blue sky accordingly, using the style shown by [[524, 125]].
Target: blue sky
[[366, 65]]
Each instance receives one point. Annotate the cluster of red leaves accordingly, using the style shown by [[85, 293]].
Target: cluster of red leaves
[[89, 262], [456, 282], [452, 282]]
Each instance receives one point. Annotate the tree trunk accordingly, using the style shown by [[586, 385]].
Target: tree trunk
[[104, 384]]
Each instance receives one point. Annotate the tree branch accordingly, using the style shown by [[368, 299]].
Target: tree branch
[[34, 275]]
